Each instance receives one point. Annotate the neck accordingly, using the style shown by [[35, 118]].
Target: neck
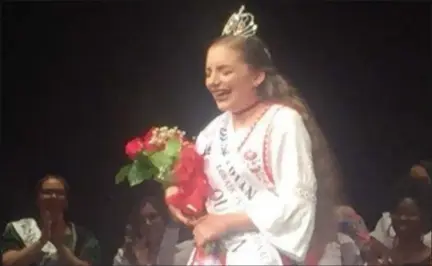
[[409, 244], [245, 115]]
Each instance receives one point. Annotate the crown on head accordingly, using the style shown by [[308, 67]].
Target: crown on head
[[240, 24]]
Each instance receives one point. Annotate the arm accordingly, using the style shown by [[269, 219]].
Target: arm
[[380, 233], [12, 252], [23, 257], [353, 225], [350, 252], [379, 236], [286, 215], [67, 257]]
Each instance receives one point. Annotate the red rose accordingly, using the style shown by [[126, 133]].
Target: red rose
[[134, 147]]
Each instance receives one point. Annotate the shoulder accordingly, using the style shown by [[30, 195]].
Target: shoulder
[[209, 132], [427, 239], [286, 118], [9, 228], [10, 239], [382, 226], [287, 121], [286, 111], [213, 125], [24, 222], [385, 218]]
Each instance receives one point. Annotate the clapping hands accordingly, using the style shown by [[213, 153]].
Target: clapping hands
[[53, 229]]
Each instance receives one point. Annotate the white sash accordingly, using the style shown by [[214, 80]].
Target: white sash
[[235, 185], [30, 233]]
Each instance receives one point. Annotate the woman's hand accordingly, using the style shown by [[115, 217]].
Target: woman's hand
[[209, 228], [180, 217], [177, 213], [46, 229]]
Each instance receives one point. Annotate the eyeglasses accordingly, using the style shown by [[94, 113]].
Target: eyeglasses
[[53, 193]]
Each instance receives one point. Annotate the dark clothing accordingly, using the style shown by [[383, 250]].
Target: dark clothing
[[184, 234], [81, 241]]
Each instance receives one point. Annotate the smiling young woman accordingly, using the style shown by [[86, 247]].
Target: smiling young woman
[[269, 165]]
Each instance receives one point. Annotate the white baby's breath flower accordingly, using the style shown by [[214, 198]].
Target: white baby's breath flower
[[163, 135]]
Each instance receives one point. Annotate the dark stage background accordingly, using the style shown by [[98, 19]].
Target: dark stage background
[[79, 79]]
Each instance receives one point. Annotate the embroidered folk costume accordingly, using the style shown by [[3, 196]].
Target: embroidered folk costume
[[267, 172], [264, 170]]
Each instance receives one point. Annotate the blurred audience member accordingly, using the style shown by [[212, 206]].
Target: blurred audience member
[[50, 238], [410, 218]]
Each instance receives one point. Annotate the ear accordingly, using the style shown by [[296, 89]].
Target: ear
[[259, 78]]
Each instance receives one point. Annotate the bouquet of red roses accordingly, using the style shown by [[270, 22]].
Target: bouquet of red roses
[[165, 155]]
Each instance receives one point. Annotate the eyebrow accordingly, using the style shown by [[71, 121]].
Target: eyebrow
[[221, 67]]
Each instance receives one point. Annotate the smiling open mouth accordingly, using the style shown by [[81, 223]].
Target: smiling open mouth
[[221, 95]]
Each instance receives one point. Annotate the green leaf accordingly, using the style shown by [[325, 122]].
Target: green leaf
[[122, 173], [139, 172], [172, 148], [161, 160]]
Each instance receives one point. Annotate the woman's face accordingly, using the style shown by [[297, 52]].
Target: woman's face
[[229, 79], [152, 226], [406, 219], [52, 196]]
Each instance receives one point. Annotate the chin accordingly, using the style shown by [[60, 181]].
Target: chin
[[223, 106]]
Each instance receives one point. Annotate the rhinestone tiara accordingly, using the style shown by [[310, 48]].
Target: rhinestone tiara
[[240, 24]]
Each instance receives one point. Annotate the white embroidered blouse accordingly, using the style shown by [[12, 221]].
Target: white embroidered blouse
[[266, 172]]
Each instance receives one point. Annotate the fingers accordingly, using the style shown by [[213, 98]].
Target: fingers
[[200, 238], [47, 215], [178, 215], [47, 218], [194, 222], [197, 237], [201, 234]]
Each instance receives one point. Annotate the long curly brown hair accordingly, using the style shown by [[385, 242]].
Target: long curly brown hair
[[275, 88]]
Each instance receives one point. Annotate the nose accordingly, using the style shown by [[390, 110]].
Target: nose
[[404, 218], [213, 81]]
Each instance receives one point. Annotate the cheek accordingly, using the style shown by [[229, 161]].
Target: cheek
[[230, 81], [242, 86]]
